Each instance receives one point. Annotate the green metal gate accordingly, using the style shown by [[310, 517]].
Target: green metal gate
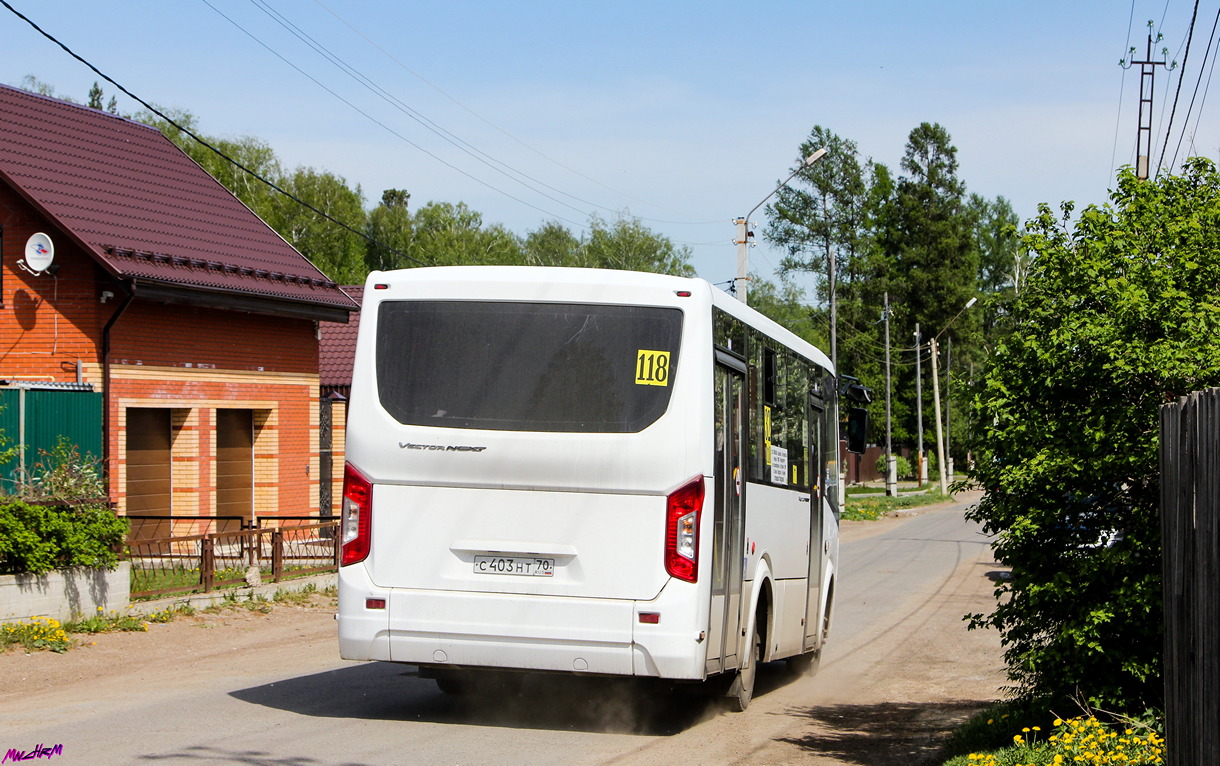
[[34, 418]]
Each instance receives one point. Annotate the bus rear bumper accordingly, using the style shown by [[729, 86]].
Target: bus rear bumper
[[543, 633]]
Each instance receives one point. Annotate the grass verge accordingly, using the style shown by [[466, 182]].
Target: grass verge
[[868, 507]]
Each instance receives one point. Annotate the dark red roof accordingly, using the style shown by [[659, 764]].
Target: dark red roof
[[337, 349], [147, 211]]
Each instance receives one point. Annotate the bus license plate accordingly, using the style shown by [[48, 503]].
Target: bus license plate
[[530, 566]]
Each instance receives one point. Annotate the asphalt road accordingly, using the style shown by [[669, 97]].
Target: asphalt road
[[900, 671]]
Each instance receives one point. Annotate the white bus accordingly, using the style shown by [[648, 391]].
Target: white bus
[[585, 471]]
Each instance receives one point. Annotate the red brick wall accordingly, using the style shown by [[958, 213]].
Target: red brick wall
[[47, 322], [191, 337]]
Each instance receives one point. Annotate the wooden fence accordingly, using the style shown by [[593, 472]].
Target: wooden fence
[[1190, 529], [191, 563]]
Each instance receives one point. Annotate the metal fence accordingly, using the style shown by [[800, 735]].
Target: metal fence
[[1190, 532], [281, 549]]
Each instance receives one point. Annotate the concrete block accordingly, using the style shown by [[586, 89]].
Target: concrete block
[[64, 594]]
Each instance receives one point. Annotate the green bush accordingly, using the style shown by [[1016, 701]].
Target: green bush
[[904, 469], [38, 538], [63, 475], [60, 518], [1118, 316]]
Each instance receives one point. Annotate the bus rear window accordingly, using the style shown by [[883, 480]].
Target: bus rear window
[[508, 366]]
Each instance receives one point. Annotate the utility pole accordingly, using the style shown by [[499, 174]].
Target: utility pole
[[948, 462], [1143, 137], [830, 276], [744, 240], [921, 474], [940, 438], [891, 479]]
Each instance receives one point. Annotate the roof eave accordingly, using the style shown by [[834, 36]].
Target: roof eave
[[216, 298]]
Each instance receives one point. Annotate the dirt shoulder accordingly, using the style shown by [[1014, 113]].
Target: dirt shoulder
[[168, 653]]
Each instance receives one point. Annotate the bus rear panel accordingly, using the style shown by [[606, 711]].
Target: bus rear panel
[[519, 455]]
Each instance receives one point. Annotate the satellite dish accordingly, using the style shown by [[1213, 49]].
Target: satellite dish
[[39, 252]]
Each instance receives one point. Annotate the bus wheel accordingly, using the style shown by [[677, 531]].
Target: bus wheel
[[804, 664], [742, 690]]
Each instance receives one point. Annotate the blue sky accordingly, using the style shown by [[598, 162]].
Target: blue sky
[[684, 114]]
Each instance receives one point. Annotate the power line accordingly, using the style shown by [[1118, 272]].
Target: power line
[[501, 130], [1121, 88], [382, 124], [202, 142], [1178, 91], [1211, 70], [1186, 120], [504, 168]]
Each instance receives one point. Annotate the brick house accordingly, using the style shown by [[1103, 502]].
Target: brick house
[[195, 321]]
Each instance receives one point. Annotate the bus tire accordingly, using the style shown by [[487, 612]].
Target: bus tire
[[741, 693]]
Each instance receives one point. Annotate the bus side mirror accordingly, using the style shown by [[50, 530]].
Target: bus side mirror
[[857, 429]]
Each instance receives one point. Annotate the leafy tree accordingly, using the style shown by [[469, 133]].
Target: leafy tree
[[628, 244], [96, 97], [785, 303], [552, 245], [253, 153], [1002, 260], [927, 260], [34, 85], [821, 213], [389, 229], [449, 234], [1119, 315], [912, 236], [828, 213], [338, 252]]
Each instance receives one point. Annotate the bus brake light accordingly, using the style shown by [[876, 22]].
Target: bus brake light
[[682, 531], [357, 516]]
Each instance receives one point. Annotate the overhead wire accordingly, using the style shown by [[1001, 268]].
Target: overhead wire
[[1178, 91], [193, 136], [387, 128], [1211, 70], [1121, 88], [1198, 81], [504, 132], [429, 124]]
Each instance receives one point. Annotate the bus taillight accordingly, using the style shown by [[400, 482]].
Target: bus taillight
[[682, 531], [357, 516]]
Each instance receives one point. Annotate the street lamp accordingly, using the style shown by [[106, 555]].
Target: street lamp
[[744, 235]]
